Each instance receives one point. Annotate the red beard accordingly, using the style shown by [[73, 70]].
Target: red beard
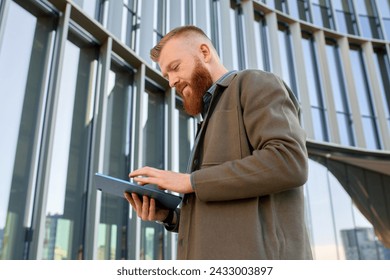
[[200, 82]]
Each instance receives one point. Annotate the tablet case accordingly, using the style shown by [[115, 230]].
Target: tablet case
[[117, 187]]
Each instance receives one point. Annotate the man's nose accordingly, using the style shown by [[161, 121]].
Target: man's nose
[[172, 81]]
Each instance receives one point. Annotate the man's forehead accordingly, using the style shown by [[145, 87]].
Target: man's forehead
[[173, 51]]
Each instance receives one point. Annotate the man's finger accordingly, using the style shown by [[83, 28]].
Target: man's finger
[[130, 199], [152, 210], [145, 207]]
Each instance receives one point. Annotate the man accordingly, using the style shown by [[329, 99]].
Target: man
[[242, 194]]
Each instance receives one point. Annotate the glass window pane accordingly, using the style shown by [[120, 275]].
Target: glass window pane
[[368, 17], [369, 128], [261, 38], [337, 228], [318, 123], [315, 89], [382, 64], [152, 234], [345, 17], [186, 136], [287, 61], [342, 207], [90, 8], [70, 153], [364, 98], [23, 78], [322, 15], [130, 23], [321, 214], [339, 95], [114, 210], [384, 8], [344, 122]]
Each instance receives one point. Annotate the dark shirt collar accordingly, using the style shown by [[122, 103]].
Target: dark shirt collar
[[210, 92]]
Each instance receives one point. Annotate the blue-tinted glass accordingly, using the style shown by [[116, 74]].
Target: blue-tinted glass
[[382, 65], [90, 7], [360, 83], [386, 23], [185, 125], [365, 25], [287, 59], [261, 39], [318, 123], [339, 96], [315, 92], [345, 17], [384, 10], [25, 48], [369, 22], [113, 211], [65, 211], [310, 73], [364, 98], [130, 23], [369, 127], [335, 78], [322, 230], [344, 122], [153, 155], [321, 13]]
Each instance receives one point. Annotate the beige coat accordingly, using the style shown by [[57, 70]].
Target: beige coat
[[248, 165]]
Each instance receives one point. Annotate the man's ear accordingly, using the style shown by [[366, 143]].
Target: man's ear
[[206, 53]]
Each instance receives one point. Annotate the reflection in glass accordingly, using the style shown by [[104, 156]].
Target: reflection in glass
[[368, 17], [130, 23], [322, 14], [215, 16], [185, 123], [366, 105], [238, 36], [382, 64], [22, 93], [90, 8], [153, 155], [299, 9], [65, 212], [345, 16], [384, 8], [319, 112], [324, 244], [189, 12], [278, 5], [114, 210], [337, 229], [287, 61], [261, 39], [159, 22], [344, 117]]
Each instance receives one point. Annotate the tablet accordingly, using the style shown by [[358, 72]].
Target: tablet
[[118, 187]]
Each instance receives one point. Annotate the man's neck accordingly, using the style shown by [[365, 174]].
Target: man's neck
[[218, 73]]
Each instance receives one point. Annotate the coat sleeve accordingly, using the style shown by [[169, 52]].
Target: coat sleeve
[[278, 158]]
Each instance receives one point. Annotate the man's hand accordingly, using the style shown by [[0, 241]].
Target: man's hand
[[167, 180], [146, 209]]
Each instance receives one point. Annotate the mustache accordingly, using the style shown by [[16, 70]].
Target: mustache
[[180, 87]]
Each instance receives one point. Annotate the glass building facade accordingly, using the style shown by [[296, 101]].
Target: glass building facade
[[79, 95]]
